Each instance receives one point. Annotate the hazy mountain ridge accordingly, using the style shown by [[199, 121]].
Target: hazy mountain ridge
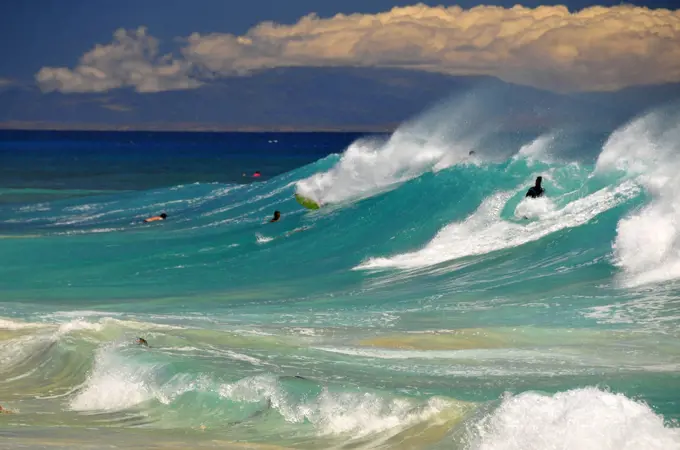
[[319, 99]]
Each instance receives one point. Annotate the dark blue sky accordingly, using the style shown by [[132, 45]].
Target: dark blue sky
[[37, 33]]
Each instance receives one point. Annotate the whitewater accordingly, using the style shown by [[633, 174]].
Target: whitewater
[[427, 305]]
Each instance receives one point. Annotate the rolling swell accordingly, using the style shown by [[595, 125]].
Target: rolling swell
[[417, 309], [189, 380]]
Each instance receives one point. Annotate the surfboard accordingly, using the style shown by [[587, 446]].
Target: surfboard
[[306, 202]]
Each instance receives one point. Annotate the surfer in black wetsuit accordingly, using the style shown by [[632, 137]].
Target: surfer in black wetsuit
[[536, 190], [277, 216]]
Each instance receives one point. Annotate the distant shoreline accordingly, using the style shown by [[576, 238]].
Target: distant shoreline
[[186, 128]]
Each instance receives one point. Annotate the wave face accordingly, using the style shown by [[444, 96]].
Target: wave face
[[428, 304]]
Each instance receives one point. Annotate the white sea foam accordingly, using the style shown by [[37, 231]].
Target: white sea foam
[[9, 324], [91, 231], [38, 207], [79, 314], [358, 414], [93, 322], [535, 208], [14, 351], [116, 383], [657, 311], [580, 419], [73, 220], [647, 245], [85, 207], [438, 139], [484, 231], [79, 325], [508, 354], [239, 357], [261, 239], [539, 150], [113, 385]]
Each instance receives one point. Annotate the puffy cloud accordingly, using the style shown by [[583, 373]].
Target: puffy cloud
[[130, 60], [596, 48]]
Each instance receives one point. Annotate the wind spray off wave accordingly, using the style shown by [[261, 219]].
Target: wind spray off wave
[[647, 244], [438, 139]]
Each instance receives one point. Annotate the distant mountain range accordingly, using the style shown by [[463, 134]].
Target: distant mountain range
[[324, 99]]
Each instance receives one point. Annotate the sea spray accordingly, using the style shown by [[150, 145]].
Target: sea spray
[[581, 419], [647, 245], [448, 134], [485, 231]]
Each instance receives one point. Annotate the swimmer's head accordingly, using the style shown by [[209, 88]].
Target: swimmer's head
[[164, 215], [538, 181], [277, 214]]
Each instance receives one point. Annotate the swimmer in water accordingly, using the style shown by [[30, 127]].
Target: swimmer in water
[[257, 174], [155, 218], [536, 190], [277, 216], [141, 341]]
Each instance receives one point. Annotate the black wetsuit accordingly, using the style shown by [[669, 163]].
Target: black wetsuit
[[535, 191]]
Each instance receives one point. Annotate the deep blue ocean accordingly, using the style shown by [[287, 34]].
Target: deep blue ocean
[[426, 305]]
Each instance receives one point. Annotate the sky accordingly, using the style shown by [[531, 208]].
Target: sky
[[152, 46]]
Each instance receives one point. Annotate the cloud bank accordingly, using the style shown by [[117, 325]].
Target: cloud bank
[[131, 60], [548, 47]]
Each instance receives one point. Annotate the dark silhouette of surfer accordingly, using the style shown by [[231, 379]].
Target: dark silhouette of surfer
[[277, 217], [536, 190]]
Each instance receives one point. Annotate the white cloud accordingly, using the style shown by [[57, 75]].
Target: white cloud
[[131, 60], [4, 82], [594, 49]]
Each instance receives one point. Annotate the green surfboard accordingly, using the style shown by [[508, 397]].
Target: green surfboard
[[306, 202]]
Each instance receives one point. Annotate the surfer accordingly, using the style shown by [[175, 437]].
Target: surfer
[[257, 174], [141, 341], [155, 218], [536, 190], [277, 216]]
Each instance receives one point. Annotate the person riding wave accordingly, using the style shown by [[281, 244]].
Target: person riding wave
[[536, 190]]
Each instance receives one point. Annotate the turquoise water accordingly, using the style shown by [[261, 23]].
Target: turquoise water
[[428, 304]]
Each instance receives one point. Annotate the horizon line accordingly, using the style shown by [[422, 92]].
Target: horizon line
[[190, 127]]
